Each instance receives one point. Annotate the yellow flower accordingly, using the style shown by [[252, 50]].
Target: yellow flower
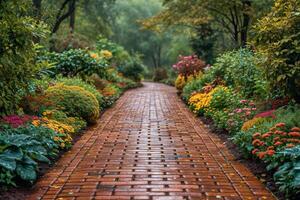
[[106, 54], [35, 122]]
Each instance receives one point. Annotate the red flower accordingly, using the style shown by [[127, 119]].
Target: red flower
[[261, 155], [277, 143], [294, 134], [270, 152], [266, 135], [256, 142], [255, 135], [290, 145], [280, 125], [254, 151], [295, 129]]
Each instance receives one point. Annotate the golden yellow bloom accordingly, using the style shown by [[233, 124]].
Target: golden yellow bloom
[[106, 54]]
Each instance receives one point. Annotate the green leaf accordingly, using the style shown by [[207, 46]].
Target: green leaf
[[14, 154], [41, 158], [7, 163], [26, 172]]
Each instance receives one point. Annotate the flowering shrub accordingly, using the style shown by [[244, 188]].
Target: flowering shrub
[[180, 82], [16, 121], [189, 65], [77, 123], [278, 137], [252, 122], [63, 131], [106, 54], [111, 93]]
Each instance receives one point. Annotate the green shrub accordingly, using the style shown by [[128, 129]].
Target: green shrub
[[75, 62], [80, 83], [277, 39], [238, 69], [22, 149], [74, 101], [160, 74], [17, 54], [133, 69], [195, 85]]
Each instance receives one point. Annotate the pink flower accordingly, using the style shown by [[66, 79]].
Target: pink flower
[[243, 101]]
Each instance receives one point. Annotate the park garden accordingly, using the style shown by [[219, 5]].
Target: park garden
[[235, 65]]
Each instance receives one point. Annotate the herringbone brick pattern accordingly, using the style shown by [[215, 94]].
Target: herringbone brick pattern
[[149, 146]]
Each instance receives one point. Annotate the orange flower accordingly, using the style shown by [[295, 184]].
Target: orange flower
[[254, 151], [256, 142], [293, 140], [278, 143], [266, 135], [294, 134], [280, 125], [255, 135], [272, 129], [295, 129], [270, 152], [290, 145], [261, 155], [276, 139], [271, 148]]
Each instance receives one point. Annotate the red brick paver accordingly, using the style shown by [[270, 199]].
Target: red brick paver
[[149, 146]]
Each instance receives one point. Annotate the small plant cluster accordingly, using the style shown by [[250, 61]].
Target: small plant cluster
[[233, 93], [69, 92]]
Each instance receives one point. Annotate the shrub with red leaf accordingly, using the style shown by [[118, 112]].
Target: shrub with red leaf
[[189, 65], [16, 121]]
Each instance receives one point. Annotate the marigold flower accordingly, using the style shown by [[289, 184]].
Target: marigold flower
[[295, 129], [256, 142], [261, 155], [255, 135], [266, 135], [270, 152], [290, 145], [270, 148], [280, 125], [254, 151], [294, 134], [276, 139], [278, 143]]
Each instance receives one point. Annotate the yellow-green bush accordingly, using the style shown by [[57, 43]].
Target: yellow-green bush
[[74, 101]]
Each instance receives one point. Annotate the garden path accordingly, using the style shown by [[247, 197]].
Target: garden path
[[149, 146]]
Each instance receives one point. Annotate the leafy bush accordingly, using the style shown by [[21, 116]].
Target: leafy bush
[[21, 149], [160, 74], [111, 93], [80, 83], [75, 62], [77, 123], [74, 101], [287, 175], [277, 39], [192, 86], [189, 65], [238, 70], [17, 54], [133, 69]]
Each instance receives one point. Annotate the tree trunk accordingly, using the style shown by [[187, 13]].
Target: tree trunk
[[246, 22], [72, 7]]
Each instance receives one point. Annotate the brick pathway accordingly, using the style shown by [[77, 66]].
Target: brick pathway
[[149, 146]]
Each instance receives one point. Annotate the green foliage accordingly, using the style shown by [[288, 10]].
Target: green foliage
[[277, 39], [287, 176], [75, 62], [17, 32], [74, 101], [133, 69], [238, 69], [86, 86], [160, 74], [22, 149], [195, 85]]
